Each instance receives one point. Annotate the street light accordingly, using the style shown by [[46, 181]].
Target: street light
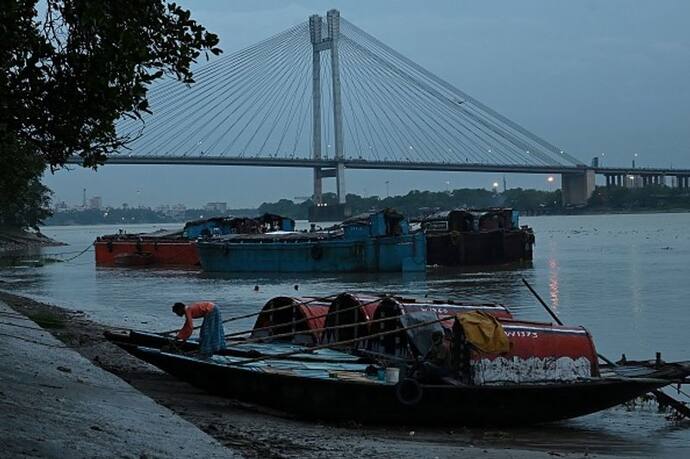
[[550, 181]]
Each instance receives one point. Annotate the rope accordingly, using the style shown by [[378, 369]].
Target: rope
[[333, 327], [79, 254], [340, 343]]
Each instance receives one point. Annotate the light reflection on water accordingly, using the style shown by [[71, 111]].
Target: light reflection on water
[[625, 277]]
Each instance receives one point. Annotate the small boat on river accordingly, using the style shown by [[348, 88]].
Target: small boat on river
[[543, 372], [178, 247], [376, 242], [471, 237]]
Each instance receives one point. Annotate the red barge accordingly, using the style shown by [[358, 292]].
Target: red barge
[[178, 247]]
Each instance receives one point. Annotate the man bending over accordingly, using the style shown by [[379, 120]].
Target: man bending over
[[212, 335]]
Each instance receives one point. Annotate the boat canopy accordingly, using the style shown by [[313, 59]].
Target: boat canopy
[[307, 315], [217, 226], [416, 342], [273, 222], [463, 220], [386, 222], [348, 309]]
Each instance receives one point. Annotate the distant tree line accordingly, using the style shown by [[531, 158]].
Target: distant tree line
[[648, 198], [419, 203], [413, 204], [132, 215]]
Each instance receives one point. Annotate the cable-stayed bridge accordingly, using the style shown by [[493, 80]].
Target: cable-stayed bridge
[[326, 95]]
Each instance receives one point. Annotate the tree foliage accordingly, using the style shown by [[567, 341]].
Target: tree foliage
[[419, 203], [655, 197], [68, 74], [24, 200]]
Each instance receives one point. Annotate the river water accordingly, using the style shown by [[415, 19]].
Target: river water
[[624, 277]]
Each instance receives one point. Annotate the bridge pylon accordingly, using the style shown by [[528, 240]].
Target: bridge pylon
[[319, 44]]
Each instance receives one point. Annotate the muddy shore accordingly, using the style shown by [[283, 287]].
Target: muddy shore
[[17, 240], [258, 432]]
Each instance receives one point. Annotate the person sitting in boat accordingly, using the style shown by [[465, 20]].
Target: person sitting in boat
[[437, 361], [212, 334]]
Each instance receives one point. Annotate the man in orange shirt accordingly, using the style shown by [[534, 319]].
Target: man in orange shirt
[[212, 334]]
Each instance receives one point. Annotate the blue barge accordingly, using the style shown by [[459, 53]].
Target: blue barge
[[376, 242]]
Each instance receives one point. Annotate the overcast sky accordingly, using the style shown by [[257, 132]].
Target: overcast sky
[[597, 77]]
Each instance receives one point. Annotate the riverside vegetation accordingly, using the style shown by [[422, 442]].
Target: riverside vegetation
[[414, 204]]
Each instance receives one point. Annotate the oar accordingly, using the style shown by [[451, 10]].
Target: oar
[[245, 316], [304, 319], [661, 397]]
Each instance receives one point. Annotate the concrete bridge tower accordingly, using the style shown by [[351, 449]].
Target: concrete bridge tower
[[319, 44]]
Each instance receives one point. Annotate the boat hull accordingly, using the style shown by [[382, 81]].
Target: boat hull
[[178, 253], [473, 248], [338, 400], [378, 254]]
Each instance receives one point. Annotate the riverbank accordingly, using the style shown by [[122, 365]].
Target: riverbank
[[55, 403], [16, 240], [257, 432]]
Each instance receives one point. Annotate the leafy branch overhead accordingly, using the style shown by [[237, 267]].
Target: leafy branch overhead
[[69, 69], [71, 73]]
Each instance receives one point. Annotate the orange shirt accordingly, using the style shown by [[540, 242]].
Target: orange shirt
[[193, 311]]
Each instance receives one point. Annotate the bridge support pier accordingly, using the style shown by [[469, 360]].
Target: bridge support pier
[[319, 44], [315, 33], [577, 188]]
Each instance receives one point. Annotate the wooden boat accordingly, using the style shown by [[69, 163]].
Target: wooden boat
[[376, 242], [338, 388], [471, 237], [550, 372], [178, 247]]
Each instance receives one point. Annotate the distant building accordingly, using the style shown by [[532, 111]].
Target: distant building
[[216, 207], [96, 202]]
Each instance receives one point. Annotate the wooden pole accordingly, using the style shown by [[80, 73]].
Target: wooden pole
[[661, 397], [334, 327], [340, 343]]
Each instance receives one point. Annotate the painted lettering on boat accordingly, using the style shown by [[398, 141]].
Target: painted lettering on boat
[[522, 334]]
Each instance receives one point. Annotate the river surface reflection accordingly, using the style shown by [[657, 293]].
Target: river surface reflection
[[624, 277]]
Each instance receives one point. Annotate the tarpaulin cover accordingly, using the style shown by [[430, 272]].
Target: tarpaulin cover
[[484, 332]]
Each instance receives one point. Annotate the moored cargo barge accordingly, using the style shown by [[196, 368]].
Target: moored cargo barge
[[178, 247], [468, 237], [377, 242]]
